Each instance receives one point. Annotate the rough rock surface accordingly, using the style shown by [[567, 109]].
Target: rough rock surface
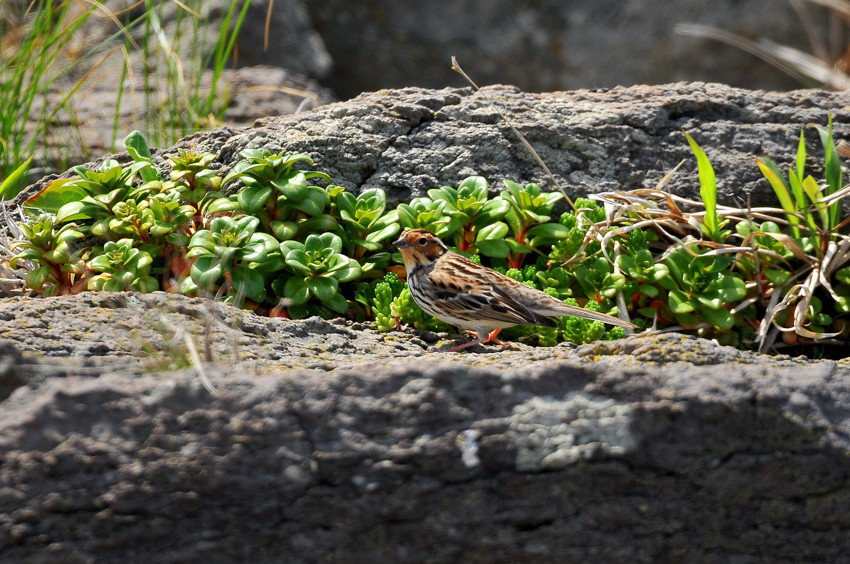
[[316, 441], [411, 140], [327, 442]]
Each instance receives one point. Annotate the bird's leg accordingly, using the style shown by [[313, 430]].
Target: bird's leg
[[483, 337]]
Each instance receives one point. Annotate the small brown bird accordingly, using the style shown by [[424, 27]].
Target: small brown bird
[[454, 289]]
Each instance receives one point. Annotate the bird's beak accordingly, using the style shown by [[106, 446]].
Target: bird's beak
[[401, 243]]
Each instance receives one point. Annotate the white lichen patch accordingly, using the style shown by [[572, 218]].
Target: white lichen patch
[[555, 433]]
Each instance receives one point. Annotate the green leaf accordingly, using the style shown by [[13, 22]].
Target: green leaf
[[710, 301], [338, 303], [718, 317], [680, 302], [348, 273], [55, 195], [314, 202], [497, 230], [778, 277], [842, 275], [296, 290], [253, 198], [37, 278], [219, 205], [250, 283], [71, 211], [138, 149], [207, 271], [780, 188], [137, 146], [322, 222], [493, 210], [801, 156], [550, 230], [730, 289], [383, 234], [284, 230], [329, 241], [649, 291], [496, 248], [146, 284], [294, 187], [323, 288], [12, 185], [297, 260], [707, 188]]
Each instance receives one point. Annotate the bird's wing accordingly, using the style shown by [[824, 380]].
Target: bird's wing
[[471, 291]]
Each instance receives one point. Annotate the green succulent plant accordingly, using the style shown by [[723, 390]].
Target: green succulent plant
[[382, 302], [122, 267], [91, 195], [233, 256], [364, 224], [192, 170], [281, 195], [318, 266], [528, 219], [646, 275], [477, 217], [54, 262], [425, 213], [597, 278], [702, 288]]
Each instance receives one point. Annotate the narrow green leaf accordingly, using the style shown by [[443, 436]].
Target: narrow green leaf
[[13, 184], [707, 188], [801, 157], [832, 171], [780, 188]]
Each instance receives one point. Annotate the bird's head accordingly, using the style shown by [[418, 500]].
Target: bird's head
[[418, 246]]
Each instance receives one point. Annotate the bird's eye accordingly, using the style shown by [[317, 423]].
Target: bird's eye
[[423, 241]]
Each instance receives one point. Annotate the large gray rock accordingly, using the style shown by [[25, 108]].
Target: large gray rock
[[410, 140], [327, 442], [315, 441]]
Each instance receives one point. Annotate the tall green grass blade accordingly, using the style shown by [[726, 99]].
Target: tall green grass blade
[[707, 188], [14, 183], [801, 157], [780, 188], [812, 190], [221, 55], [832, 172]]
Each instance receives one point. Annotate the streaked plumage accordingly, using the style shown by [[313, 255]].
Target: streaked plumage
[[454, 289]]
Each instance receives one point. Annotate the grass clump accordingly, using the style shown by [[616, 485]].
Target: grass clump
[[41, 57]]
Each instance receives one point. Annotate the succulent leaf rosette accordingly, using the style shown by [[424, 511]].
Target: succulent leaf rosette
[[232, 250], [318, 267]]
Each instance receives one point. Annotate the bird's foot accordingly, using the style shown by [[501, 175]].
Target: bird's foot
[[491, 338]]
